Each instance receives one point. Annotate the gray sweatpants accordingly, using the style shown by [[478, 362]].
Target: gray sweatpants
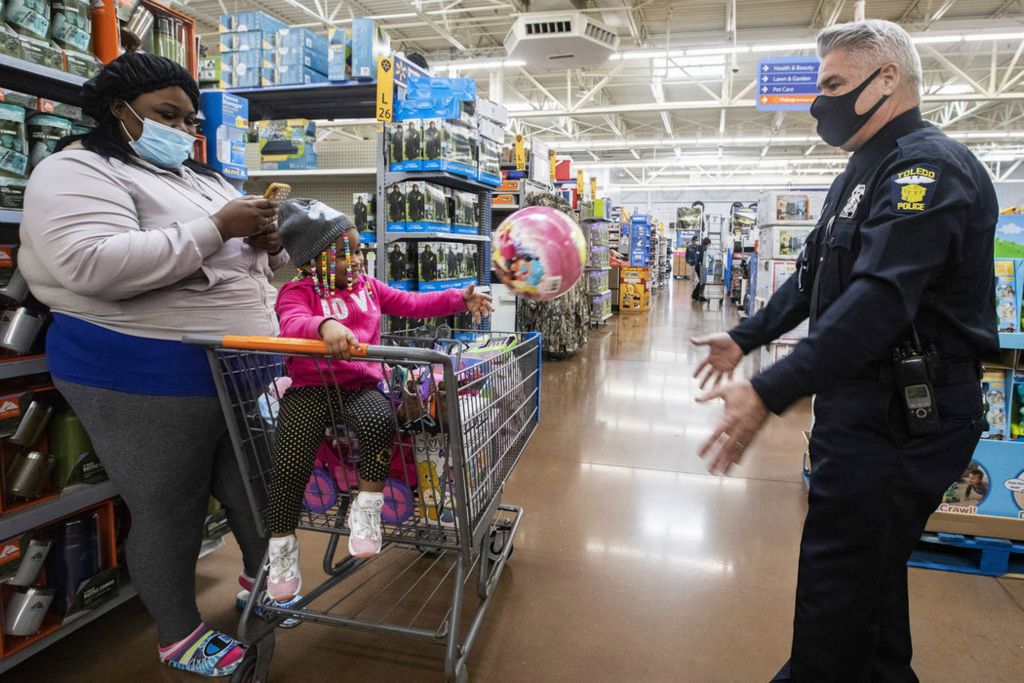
[[166, 455]]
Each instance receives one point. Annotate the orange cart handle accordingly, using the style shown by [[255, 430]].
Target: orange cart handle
[[285, 345]]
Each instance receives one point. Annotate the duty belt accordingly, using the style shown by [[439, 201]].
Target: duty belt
[[948, 372]]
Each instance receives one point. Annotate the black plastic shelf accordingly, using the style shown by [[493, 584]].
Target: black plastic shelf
[[69, 502], [346, 100], [441, 178], [41, 81], [22, 367], [442, 236]]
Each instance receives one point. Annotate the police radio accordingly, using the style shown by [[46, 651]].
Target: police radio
[[915, 371]]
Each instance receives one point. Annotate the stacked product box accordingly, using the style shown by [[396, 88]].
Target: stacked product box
[[464, 212], [446, 265], [364, 215], [246, 46], [226, 128], [491, 121], [300, 57], [423, 208], [401, 266], [339, 55], [435, 128], [369, 42], [287, 144]]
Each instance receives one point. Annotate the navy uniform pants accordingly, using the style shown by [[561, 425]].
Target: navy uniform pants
[[872, 490]]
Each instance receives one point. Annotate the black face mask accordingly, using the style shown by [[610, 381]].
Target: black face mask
[[837, 116]]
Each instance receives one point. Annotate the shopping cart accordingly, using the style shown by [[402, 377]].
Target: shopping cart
[[465, 409]]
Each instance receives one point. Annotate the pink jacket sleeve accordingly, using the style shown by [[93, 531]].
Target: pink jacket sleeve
[[419, 304], [295, 312]]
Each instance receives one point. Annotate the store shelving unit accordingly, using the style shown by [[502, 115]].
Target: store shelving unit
[[345, 100], [315, 173], [41, 81], [22, 367]]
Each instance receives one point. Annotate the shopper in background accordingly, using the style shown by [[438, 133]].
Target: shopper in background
[[700, 266], [133, 246], [900, 263], [691, 259], [332, 300]]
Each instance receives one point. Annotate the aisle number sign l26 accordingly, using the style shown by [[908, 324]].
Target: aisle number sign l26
[[385, 89], [520, 152], [593, 188], [579, 184], [787, 83], [553, 159]]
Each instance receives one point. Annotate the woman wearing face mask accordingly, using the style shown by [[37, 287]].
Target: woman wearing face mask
[[133, 246]]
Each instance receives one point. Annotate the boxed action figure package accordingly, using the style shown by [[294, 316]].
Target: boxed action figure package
[[462, 157], [395, 205], [339, 55], [995, 390], [436, 143], [419, 207], [464, 206], [406, 145], [436, 218], [1009, 273], [369, 41], [394, 138], [491, 111], [287, 144], [402, 266], [491, 136], [364, 215], [432, 268]]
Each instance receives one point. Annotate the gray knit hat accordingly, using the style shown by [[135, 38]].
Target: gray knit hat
[[307, 227]]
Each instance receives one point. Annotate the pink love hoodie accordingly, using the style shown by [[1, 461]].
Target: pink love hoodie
[[301, 312]]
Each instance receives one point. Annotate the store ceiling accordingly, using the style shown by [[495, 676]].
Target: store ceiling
[[700, 124]]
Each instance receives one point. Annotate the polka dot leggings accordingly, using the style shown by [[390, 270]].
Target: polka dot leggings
[[306, 413]]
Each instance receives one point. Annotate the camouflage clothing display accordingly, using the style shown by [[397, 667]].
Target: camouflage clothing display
[[564, 323]]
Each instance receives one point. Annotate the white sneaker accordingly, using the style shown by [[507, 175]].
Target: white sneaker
[[285, 579], [364, 524]]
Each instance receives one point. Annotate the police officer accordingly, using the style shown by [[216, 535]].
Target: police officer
[[898, 271]]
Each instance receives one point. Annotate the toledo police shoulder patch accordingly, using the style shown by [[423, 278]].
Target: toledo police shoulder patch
[[914, 188]]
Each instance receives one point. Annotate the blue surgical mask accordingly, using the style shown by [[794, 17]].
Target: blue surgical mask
[[161, 145]]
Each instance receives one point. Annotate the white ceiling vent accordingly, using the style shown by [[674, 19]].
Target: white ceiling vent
[[554, 40]]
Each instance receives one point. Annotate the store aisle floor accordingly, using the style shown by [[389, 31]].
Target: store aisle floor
[[632, 563]]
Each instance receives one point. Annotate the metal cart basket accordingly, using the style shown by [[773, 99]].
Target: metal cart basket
[[464, 411]]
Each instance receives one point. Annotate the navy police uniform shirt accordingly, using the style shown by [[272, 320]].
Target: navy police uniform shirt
[[905, 236]]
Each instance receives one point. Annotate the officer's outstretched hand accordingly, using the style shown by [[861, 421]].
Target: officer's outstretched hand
[[745, 414], [724, 355]]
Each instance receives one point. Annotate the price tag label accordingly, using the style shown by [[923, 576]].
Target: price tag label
[[579, 183], [520, 152], [385, 89], [553, 158]]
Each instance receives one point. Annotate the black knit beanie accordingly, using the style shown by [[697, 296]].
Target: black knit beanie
[[133, 74]]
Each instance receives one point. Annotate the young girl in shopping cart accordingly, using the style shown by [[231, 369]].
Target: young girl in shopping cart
[[331, 299]]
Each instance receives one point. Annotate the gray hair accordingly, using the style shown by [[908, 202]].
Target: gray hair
[[874, 42]]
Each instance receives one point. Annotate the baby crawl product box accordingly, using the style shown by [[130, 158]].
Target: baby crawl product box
[[995, 392], [287, 144], [339, 55], [1008, 294], [364, 215], [401, 264], [369, 41], [226, 128], [395, 208], [992, 484], [437, 505], [419, 213], [1016, 418], [464, 207]]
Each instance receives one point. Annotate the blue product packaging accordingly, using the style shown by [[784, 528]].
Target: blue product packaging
[[395, 208], [287, 144], [226, 128], [401, 266], [299, 47], [1008, 294], [250, 21], [300, 38], [246, 69], [296, 75], [239, 41], [995, 391], [369, 41], [992, 484], [339, 55]]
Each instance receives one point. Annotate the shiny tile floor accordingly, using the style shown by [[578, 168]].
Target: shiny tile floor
[[632, 563]]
